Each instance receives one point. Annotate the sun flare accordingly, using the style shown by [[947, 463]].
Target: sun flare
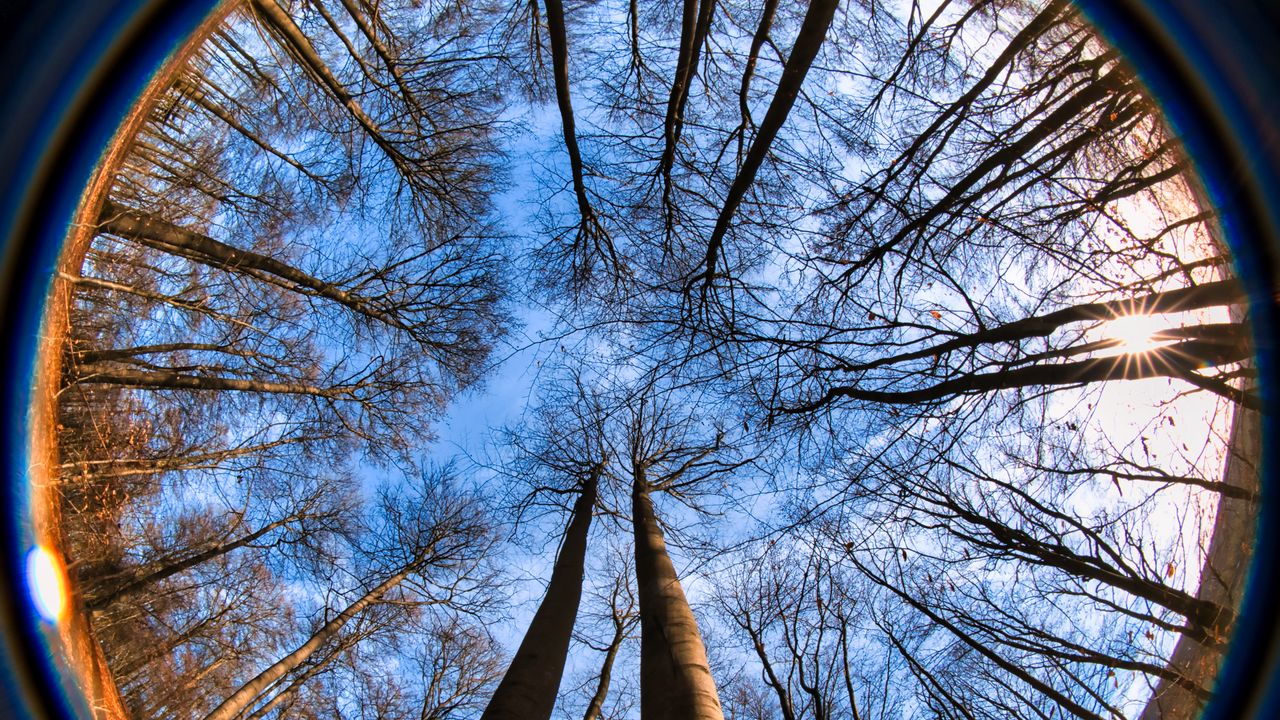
[[1136, 333], [47, 583]]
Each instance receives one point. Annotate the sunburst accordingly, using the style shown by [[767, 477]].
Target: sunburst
[[46, 581], [1135, 333]]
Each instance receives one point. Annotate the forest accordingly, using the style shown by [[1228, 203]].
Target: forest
[[712, 359]]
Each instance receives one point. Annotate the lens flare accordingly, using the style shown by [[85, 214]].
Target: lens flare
[[47, 583], [1135, 332]]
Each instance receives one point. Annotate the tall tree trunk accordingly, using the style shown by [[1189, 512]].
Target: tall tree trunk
[[695, 24], [296, 42], [241, 699], [288, 692], [560, 66], [170, 380], [174, 460], [157, 233], [170, 300], [529, 688], [1195, 297], [1091, 96], [753, 56], [675, 679]]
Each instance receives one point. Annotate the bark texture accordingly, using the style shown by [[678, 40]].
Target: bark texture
[[675, 679]]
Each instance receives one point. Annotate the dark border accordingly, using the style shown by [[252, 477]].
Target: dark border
[[1215, 69], [70, 71]]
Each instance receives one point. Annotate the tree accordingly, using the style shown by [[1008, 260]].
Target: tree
[[622, 617], [306, 526], [439, 536], [528, 689], [797, 612], [666, 453], [235, 300]]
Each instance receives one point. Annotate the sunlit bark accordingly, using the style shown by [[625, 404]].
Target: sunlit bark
[[675, 680]]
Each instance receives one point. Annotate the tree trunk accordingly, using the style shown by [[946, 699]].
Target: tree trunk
[[529, 688], [170, 461], [296, 42], [288, 692], [171, 569], [560, 67], [695, 24], [1180, 361], [675, 679], [1090, 96], [753, 56], [596, 705], [167, 237], [170, 300], [170, 380], [241, 699], [1195, 297]]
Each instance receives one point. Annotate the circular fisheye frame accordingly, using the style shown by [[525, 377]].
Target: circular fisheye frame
[[700, 359]]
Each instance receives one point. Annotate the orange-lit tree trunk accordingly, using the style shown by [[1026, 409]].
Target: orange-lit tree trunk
[[528, 690]]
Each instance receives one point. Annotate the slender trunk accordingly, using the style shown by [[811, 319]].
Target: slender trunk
[[694, 26], [560, 68], [844, 664], [812, 34], [1211, 294], [1181, 361], [753, 56], [171, 569], [1153, 475], [175, 302], [1072, 110], [296, 43], [1047, 18], [596, 705], [675, 679], [288, 692], [91, 470], [1206, 621], [198, 96], [167, 237], [169, 380], [384, 54], [94, 356], [240, 700], [770, 677], [686, 64], [528, 690]]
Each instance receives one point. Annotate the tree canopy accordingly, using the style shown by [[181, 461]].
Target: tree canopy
[[852, 359]]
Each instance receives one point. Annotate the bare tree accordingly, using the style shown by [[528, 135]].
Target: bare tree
[[441, 539]]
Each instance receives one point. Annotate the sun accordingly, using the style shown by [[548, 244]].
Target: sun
[[46, 581], [1136, 333]]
